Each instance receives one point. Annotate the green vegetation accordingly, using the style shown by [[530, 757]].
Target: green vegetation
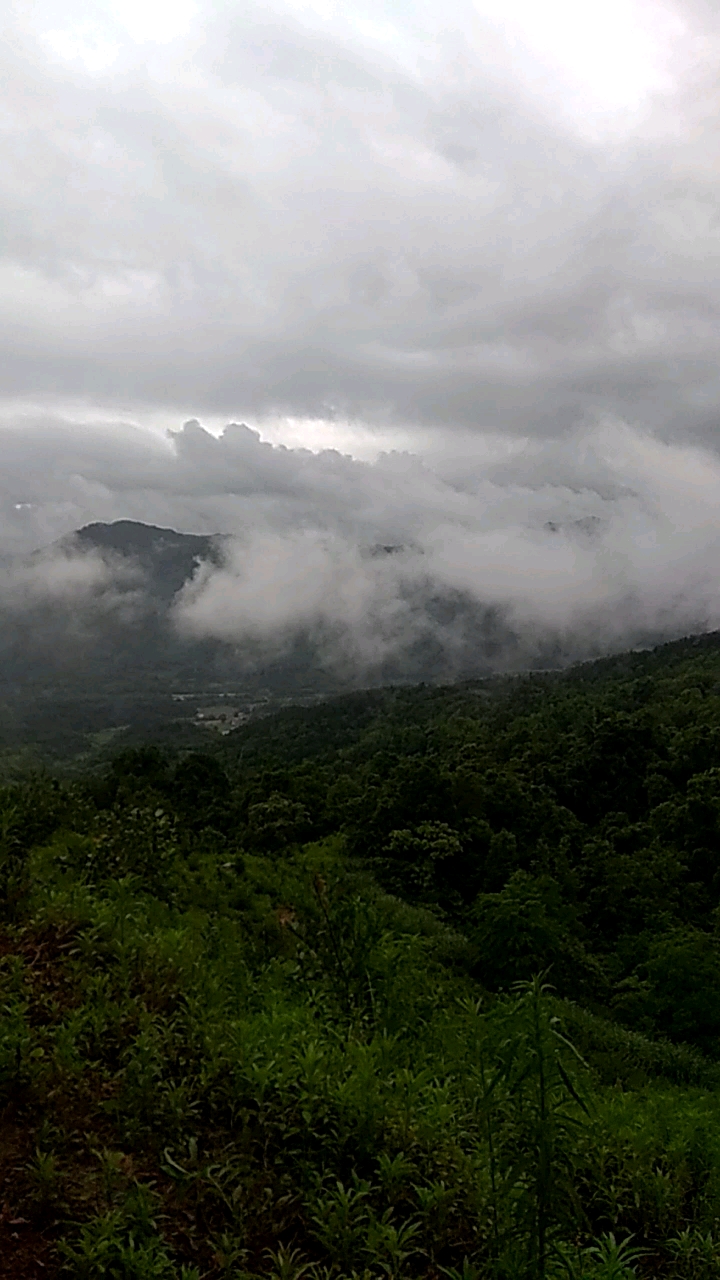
[[415, 983]]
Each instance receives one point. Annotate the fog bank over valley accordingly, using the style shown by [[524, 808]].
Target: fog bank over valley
[[456, 268], [552, 551]]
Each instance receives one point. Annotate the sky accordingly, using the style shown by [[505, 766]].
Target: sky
[[321, 275]]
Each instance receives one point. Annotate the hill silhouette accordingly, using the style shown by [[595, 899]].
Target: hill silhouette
[[89, 649]]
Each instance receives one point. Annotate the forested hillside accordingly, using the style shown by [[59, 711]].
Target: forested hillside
[[415, 983]]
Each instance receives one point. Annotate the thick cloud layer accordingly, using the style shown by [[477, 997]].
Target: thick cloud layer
[[489, 228], [606, 538], [494, 217], [621, 546]]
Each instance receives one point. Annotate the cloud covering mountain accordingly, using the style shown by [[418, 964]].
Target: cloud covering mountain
[[476, 250], [563, 549]]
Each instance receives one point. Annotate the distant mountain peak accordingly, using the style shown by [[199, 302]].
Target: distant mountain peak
[[167, 557], [133, 537]]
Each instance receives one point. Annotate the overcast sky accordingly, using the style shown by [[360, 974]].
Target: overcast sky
[[499, 216], [473, 248]]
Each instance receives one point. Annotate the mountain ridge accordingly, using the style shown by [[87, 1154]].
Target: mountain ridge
[[73, 672]]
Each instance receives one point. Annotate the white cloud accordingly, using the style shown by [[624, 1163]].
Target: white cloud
[[605, 537]]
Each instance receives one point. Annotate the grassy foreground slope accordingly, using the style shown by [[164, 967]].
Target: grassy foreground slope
[[275, 1012]]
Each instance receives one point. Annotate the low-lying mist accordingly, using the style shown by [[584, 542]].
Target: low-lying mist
[[491, 558], [604, 540]]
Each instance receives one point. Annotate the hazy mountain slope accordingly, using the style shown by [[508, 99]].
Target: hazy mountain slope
[[90, 613], [94, 611], [89, 647], [166, 557]]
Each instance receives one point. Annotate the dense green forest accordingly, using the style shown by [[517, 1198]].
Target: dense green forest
[[414, 983]]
